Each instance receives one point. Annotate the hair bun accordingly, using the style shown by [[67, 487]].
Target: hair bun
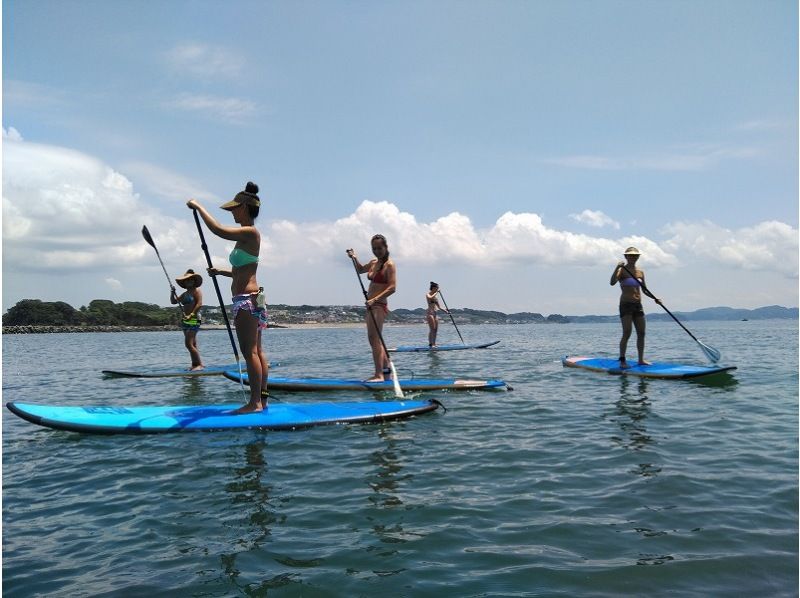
[[251, 187]]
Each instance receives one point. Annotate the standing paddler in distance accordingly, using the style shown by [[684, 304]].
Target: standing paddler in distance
[[190, 301], [382, 276], [249, 306], [432, 299], [631, 312]]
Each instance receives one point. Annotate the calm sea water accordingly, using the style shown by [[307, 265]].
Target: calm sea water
[[572, 484]]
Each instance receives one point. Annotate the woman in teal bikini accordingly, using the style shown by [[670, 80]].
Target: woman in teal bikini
[[190, 301], [249, 310], [382, 277], [631, 313]]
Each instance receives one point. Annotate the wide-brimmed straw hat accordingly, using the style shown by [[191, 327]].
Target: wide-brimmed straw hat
[[249, 196], [632, 251], [190, 275]]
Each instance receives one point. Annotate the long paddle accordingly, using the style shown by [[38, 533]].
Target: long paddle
[[398, 392], [451, 318], [219, 298], [710, 352], [149, 239]]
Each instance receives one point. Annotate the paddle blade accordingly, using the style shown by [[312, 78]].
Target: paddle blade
[[398, 392], [147, 237], [711, 353]]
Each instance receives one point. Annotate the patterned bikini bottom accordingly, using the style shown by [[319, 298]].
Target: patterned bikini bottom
[[247, 302]]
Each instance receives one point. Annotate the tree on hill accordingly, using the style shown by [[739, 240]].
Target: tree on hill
[[33, 312], [100, 312]]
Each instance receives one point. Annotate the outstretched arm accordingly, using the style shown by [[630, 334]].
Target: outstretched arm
[[218, 272], [231, 233]]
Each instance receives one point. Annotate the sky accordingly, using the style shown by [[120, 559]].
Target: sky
[[508, 150]]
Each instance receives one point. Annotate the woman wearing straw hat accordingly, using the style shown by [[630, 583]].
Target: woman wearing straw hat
[[249, 309], [190, 301], [631, 312]]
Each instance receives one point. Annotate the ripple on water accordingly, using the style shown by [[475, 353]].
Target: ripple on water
[[572, 484]]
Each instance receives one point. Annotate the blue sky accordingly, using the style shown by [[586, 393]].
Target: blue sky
[[508, 150]]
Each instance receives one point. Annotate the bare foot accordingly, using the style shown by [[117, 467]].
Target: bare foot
[[623, 365], [197, 368], [643, 362], [375, 379], [248, 409]]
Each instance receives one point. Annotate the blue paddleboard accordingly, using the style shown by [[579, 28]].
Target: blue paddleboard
[[106, 419], [170, 372], [329, 384], [654, 370], [426, 348]]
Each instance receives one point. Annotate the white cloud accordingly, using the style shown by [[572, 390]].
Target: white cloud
[[11, 134], [231, 110], [114, 283], [206, 61], [690, 158], [770, 246], [65, 210], [595, 218], [159, 181], [513, 239], [761, 125], [31, 95]]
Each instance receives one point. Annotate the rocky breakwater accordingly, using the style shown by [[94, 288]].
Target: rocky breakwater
[[33, 329]]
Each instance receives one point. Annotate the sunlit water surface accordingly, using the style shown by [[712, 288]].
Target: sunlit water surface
[[572, 484]]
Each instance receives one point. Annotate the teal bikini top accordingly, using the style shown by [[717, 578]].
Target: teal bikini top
[[239, 258]]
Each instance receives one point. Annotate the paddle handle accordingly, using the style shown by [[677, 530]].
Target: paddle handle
[[451, 318], [216, 285]]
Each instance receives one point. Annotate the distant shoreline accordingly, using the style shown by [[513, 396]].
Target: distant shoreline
[[34, 329], [41, 329]]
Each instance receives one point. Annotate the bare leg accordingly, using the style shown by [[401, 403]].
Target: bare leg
[[379, 357], [627, 328], [639, 323], [264, 372], [247, 333], [190, 341], [433, 324]]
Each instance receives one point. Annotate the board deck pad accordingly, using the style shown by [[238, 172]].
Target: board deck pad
[[654, 370], [170, 372], [108, 419], [428, 349], [329, 384]]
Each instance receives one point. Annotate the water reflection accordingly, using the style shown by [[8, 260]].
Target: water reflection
[[250, 493], [191, 390], [630, 414], [386, 482], [435, 364], [724, 380]]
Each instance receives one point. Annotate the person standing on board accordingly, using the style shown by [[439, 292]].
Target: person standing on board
[[190, 301], [631, 312], [382, 276], [432, 299], [249, 309]]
